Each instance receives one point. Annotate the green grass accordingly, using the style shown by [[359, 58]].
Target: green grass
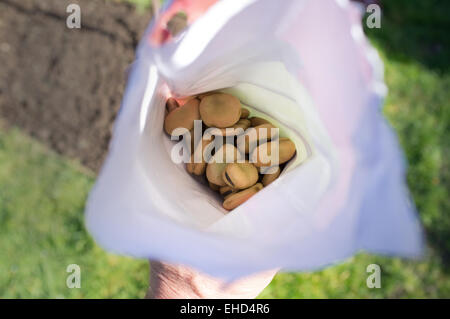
[[41, 229], [140, 4], [42, 195], [416, 50]]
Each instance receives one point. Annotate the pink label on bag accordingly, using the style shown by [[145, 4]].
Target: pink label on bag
[[192, 8]]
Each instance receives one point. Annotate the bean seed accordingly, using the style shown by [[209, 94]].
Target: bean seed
[[220, 110], [258, 121], [258, 135], [269, 178], [171, 104], [214, 187], [226, 190], [262, 155], [234, 200], [197, 164], [244, 113], [240, 175], [202, 95], [242, 123], [218, 163], [182, 117], [287, 150]]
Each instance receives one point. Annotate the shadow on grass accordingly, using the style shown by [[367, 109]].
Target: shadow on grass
[[418, 32]]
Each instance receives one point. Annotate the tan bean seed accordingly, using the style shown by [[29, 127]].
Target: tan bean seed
[[269, 178], [220, 110], [214, 187], [218, 163], [182, 117], [261, 155], [258, 121], [240, 175], [171, 104], [226, 190], [234, 200], [244, 113], [260, 134], [197, 164]]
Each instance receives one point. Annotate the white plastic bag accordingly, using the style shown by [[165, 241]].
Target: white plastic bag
[[307, 66]]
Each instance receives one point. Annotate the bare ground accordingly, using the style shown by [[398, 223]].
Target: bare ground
[[64, 86]]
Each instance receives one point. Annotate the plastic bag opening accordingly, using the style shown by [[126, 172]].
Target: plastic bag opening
[[180, 196]]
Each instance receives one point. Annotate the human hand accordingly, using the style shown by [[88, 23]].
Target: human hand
[[168, 281]]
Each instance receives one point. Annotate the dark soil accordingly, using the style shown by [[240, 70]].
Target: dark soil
[[64, 86]]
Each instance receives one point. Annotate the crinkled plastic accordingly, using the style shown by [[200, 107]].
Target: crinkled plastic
[[305, 64]]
